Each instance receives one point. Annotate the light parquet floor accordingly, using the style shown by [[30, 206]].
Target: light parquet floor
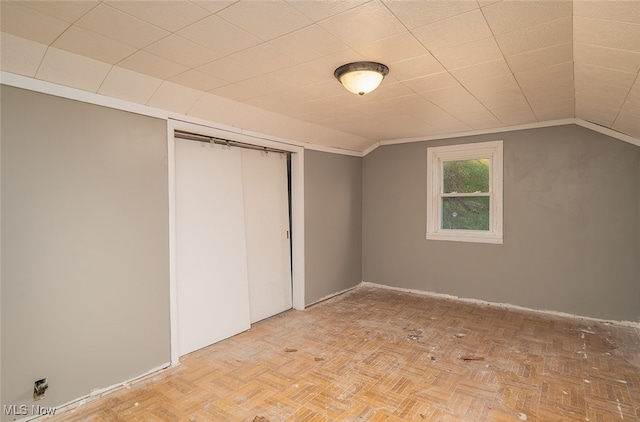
[[380, 355]]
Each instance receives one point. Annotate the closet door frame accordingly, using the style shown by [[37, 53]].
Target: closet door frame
[[297, 209]]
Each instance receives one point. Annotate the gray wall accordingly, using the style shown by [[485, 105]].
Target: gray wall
[[571, 225], [333, 223], [85, 273]]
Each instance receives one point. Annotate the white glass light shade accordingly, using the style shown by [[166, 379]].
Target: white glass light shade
[[361, 77], [361, 81]]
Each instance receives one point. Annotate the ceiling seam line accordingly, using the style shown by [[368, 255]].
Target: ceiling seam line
[[504, 57], [626, 98]]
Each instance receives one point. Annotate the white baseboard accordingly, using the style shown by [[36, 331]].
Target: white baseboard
[[333, 295], [78, 403], [501, 305]]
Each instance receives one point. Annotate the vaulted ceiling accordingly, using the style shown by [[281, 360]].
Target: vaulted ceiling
[[455, 66]]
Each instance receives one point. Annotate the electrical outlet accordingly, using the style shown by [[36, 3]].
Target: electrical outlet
[[39, 388]]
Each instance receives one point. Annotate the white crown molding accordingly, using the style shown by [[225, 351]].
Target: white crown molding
[[609, 132], [334, 150], [51, 88], [44, 87], [551, 123]]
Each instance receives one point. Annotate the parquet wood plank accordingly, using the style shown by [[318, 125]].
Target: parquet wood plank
[[381, 355]]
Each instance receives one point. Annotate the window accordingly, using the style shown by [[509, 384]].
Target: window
[[464, 192]]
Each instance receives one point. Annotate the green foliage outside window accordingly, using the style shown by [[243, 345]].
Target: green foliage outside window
[[466, 212]]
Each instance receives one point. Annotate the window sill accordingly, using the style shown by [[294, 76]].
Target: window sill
[[466, 237]]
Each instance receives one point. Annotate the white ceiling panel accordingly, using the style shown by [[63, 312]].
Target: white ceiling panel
[[366, 23], [415, 13], [601, 75], [619, 10], [509, 16], [456, 100], [82, 41], [453, 65], [20, 56], [512, 116], [69, 11], [174, 97], [219, 35], [229, 70], [308, 43], [481, 120], [265, 20], [129, 85], [31, 24], [549, 78], [264, 57], [506, 98], [490, 85], [403, 46], [214, 6], [469, 54], [605, 33], [627, 119], [415, 67], [195, 79], [72, 70], [431, 82], [481, 72], [626, 61], [559, 31], [169, 15], [461, 29], [180, 50], [118, 25], [531, 60], [319, 10], [152, 65]]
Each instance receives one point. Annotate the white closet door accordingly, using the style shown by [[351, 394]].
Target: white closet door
[[211, 259], [266, 206]]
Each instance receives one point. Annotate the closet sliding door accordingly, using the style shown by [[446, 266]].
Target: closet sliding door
[[211, 257], [266, 210]]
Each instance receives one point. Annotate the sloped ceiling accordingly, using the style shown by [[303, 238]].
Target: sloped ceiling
[[455, 66]]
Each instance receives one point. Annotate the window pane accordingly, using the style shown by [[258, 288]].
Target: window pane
[[467, 213], [466, 176]]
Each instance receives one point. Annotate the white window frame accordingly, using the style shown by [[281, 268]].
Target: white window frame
[[436, 156]]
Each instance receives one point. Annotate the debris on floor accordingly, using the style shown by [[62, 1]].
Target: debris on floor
[[290, 350], [260, 419], [413, 333], [318, 359], [458, 335], [522, 416], [470, 357], [433, 358]]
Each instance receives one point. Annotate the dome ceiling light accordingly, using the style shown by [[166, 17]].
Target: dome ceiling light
[[361, 77]]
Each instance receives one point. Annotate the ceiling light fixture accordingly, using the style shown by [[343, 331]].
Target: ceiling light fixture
[[361, 77]]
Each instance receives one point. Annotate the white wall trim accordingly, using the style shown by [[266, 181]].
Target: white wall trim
[[501, 305], [51, 88], [332, 295], [297, 208], [73, 405], [372, 148], [44, 87], [608, 132], [552, 123], [205, 127], [436, 156], [173, 285], [333, 150]]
